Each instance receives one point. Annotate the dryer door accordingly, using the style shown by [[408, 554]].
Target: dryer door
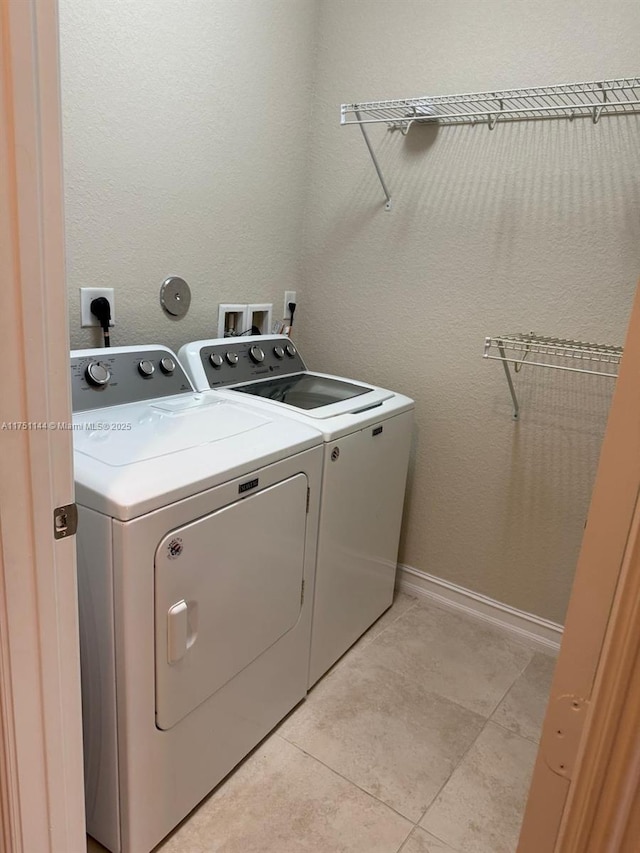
[[227, 587]]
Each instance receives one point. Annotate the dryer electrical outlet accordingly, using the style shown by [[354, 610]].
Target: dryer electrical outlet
[[87, 295]]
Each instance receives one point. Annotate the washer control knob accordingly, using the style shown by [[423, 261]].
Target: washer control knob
[[216, 359], [278, 352], [146, 368], [167, 365], [232, 357], [290, 350], [256, 354], [97, 374]]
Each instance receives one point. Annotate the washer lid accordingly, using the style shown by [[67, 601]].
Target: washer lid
[[305, 390], [317, 396]]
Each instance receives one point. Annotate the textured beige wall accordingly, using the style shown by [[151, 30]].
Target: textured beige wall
[[531, 226], [185, 145]]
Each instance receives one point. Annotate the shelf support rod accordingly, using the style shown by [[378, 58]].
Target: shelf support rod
[[375, 161], [507, 373]]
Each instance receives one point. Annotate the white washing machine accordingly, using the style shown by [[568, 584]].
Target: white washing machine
[[367, 435], [196, 552]]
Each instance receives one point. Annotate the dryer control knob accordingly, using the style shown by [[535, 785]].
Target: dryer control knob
[[290, 350], [278, 352], [256, 354], [167, 365], [232, 357], [216, 359], [97, 374], [146, 368]]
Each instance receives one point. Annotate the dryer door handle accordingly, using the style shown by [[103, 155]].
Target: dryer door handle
[[177, 631]]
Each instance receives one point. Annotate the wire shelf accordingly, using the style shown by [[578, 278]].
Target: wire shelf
[[527, 348], [568, 100]]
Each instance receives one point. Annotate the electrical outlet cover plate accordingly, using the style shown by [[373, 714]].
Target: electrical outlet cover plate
[[87, 295]]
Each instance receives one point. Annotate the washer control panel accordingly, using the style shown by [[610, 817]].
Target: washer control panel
[[229, 361], [109, 377]]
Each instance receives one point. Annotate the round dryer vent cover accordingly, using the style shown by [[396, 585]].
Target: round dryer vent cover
[[175, 296]]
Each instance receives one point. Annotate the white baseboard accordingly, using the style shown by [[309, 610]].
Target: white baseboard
[[526, 626]]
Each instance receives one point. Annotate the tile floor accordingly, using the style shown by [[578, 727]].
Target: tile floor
[[420, 740]]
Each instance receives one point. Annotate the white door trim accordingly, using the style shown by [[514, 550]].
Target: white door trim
[[42, 802]]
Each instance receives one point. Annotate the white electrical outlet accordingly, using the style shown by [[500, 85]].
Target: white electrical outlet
[[289, 296], [87, 295]]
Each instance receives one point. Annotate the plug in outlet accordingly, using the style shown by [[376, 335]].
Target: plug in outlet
[[289, 296], [87, 295]]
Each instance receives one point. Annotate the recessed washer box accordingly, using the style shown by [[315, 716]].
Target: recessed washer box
[[259, 316], [232, 320]]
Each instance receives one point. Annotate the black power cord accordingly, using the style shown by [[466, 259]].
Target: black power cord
[[292, 311], [101, 309]]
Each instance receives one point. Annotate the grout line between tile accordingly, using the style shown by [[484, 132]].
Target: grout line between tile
[[418, 603], [510, 687], [398, 617], [360, 645], [445, 783], [404, 843], [432, 834], [511, 732], [350, 781]]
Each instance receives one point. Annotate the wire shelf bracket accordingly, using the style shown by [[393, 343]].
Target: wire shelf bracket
[[568, 100], [555, 353], [372, 153]]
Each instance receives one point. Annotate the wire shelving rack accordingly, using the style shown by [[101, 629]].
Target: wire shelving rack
[[527, 348], [592, 100]]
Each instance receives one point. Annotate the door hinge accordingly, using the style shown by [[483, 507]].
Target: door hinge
[[302, 593], [565, 720], [308, 499], [65, 521]]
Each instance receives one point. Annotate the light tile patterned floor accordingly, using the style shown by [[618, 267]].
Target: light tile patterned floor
[[420, 740]]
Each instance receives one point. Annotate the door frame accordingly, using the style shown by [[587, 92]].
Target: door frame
[[41, 775]]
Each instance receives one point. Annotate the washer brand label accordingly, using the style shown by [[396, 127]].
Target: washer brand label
[[250, 484], [175, 548], [376, 431]]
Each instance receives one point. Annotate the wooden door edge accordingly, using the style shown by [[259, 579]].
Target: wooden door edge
[[607, 777]]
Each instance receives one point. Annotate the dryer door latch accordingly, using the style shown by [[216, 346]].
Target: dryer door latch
[[65, 521], [177, 631]]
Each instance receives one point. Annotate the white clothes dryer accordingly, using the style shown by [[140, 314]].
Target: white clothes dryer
[[196, 551], [367, 435]]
